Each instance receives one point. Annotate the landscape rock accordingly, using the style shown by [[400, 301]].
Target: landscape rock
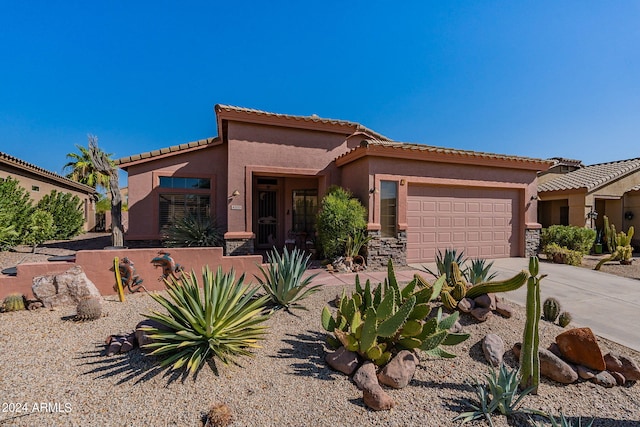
[[486, 301], [465, 305], [586, 373], [343, 360], [620, 379], [504, 309], [481, 314], [456, 328], [400, 370], [553, 348], [142, 337], [551, 366], [622, 364], [493, 349], [377, 399], [605, 379], [63, 289], [365, 376], [580, 346]]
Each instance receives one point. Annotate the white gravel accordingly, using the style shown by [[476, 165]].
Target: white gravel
[[56, 372]]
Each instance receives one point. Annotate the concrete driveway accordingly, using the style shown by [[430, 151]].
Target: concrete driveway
[[608, 304]]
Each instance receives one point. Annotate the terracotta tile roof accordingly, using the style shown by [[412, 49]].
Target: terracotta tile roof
[[443, 150], [593, 176], [21, 164], [313, 118], [567, 162], [162, 151]]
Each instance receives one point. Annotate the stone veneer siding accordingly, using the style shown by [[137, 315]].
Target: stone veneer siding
[[532, 242], [238, 247], [380, 249]]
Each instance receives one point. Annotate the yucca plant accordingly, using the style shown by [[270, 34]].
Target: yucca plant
[[283, 279], [563, 421], [500, 394], [480, 271], [224, 321], [192, 231]]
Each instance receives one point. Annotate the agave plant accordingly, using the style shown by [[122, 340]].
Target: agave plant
[[283, 279], [223, 323], [500, 394], [444, 265], [480, 271], [192, 231], [563, 421]]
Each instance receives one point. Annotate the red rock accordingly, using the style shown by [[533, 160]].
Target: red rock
[[377, 399], [365, 376], [481, 314], [580, 346], [343, 360], [622, 364], [399, 371], [504, 309]]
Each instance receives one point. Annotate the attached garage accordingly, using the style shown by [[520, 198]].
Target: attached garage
[[483, 222]]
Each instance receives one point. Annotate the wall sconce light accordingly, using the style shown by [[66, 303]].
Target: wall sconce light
[[534, 197], [372, 190], [403, 182], [235, 193]]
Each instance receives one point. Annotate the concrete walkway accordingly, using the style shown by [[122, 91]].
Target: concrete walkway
[[608, 304]]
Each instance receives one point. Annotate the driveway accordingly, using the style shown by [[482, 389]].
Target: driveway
[[608, 304]]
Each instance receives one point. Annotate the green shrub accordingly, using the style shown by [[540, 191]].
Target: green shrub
[[340, 214], [562, 255], [283, 280], [192, 231], [223, 322], [41, 228], [579, 239], [67, 212], [16, 209]]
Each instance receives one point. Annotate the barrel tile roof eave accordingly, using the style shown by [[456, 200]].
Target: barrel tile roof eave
[[368, 147], [127, 161], [37, 170], [353, 126], [592, 177]]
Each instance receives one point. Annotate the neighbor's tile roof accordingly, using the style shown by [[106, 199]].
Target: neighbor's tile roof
[[443, 150], [593, 176], [567, 162], [26, 166], [172, 149], [312, 118]]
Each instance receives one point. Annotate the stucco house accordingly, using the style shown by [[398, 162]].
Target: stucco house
[[582, 197], [265, 174], [39, 182]]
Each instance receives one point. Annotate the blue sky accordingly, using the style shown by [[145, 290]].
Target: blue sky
[[531, 78]]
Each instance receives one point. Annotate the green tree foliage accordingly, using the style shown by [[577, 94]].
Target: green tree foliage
[[84, 171], [40, 229], [66, 210], [340, 214], [16, 209]]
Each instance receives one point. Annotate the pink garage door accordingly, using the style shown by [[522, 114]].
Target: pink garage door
[[482, 222]]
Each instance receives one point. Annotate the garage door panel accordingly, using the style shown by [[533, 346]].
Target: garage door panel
[[479, 221]]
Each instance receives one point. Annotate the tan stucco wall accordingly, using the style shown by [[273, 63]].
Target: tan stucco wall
[[27, 181], [575, 200], [143, 181]]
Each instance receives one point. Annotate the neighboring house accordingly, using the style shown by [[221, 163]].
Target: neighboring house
[[265, 174], [584, 196], [39, 182], [560, 166]]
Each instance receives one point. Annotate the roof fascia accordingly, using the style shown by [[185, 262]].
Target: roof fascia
[[164, 153], [50, 176]]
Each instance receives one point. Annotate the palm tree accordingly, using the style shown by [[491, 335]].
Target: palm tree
[[83, 169]]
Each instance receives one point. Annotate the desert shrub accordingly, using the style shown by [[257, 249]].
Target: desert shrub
[[579, 239], [340, 215], [41, 228], [67, 212], [192, 231], [16, 209], [562, 255]]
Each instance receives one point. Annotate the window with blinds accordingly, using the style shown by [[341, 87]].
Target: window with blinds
[[176, 206]]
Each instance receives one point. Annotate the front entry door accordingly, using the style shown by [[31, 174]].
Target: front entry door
[[267, 219]]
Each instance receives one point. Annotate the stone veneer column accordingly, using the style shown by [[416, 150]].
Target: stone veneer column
[[380, 249], [532, 241], [238, 247]]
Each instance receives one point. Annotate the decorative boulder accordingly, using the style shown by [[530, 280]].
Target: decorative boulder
[[486, 301], [62, 289], [466, 305], [142, 336], [624, 365], [605, 379], [399, 371], [551, 366], [481, 314], [493, 349], [376, 398], [580, 346], [365, 376], [343, 360], [504, 309]]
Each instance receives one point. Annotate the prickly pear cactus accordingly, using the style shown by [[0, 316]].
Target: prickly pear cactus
[[551, 309], [564, 319], [89, 309], [13, 302]]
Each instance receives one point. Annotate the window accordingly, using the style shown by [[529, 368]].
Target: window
[[305, 208], [388, 208], [35, 188], [194, 199]]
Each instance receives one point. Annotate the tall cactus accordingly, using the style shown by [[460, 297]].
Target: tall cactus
[[622, 251], [529, 357]]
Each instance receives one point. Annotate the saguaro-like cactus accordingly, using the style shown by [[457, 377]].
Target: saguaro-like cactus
[[529, 357]]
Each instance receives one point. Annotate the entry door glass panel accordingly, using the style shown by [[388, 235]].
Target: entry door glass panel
[[267, 218]]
